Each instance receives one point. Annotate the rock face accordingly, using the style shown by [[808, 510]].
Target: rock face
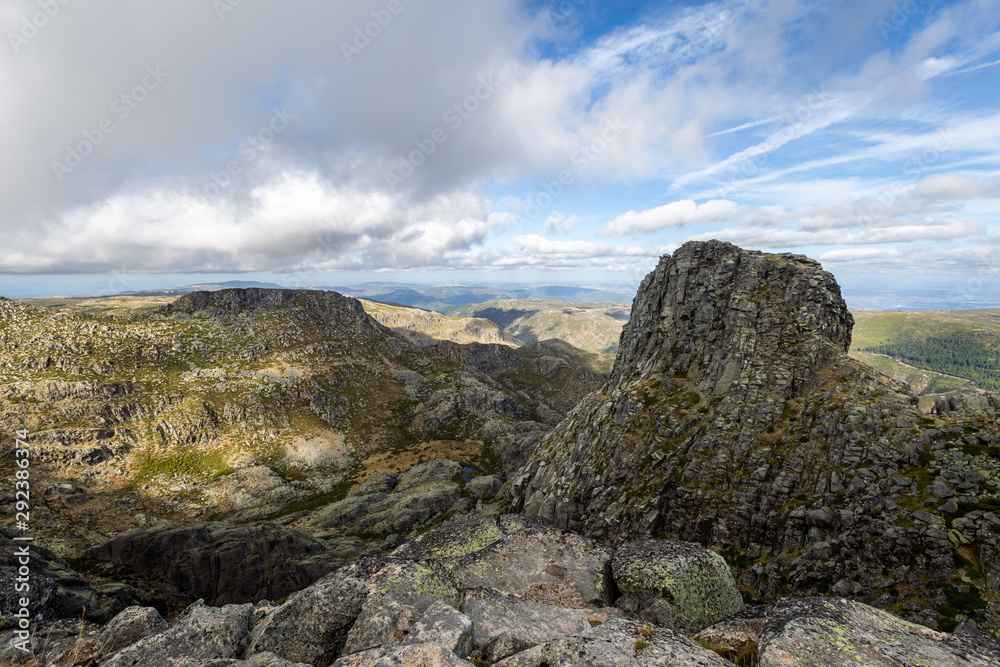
[[57, 591], [201, 633], [677, 584], [734, 418], [220, 562], [386, 504], [618, 642], [825, 632], [311, 627]]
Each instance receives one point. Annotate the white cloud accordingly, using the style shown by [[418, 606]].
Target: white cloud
[[559, 223], [297, 222], [739, 72], [933, 229], [955, 186], [674, 214], [538, 244]]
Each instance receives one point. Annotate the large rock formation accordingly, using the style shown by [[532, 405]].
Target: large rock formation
[[734, 418]]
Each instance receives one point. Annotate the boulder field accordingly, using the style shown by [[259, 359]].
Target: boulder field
[[507, 590]]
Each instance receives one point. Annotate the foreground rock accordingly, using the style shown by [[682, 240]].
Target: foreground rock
[[416, 608], [830, 632], [312, 626], [398, 594], [676, 584], [201, 633], [505, 624], [417, 655], [519, 556], [619, 642]]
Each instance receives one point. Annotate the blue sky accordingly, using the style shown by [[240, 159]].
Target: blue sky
[[437, 141]]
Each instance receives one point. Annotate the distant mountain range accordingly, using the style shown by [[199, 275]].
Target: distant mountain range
[[441, 298], [208, 287], [446, 298]]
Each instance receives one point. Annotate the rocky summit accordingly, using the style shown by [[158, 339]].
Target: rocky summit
[[734, 418], [275, 478]]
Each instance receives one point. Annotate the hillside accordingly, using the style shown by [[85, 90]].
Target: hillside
[[935, 352], [734, 418], [594, 327], [172, 407], [419, 325]]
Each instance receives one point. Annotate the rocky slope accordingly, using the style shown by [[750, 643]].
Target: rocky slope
[[508, 591], [734, 418], [242, 402], [426, 326], [593, 327]]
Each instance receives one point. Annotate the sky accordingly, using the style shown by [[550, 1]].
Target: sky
[[502, 141]]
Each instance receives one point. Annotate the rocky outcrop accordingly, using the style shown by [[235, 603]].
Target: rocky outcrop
[[334, 308], [313, 625], [443, 624], [399, 593], [678, 585], [408, 501], [619, 642], [201, 633], [966, 400], [416, 655], [220, 562], [735, 419], [57, 591], [825, 632], [506, 624], [246, 404]]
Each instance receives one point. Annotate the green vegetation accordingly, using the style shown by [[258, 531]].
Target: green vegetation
[[881, 338], [193, 462], [593, 327], [971, 355], [964, 600], [554, 347], [744, 656]]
